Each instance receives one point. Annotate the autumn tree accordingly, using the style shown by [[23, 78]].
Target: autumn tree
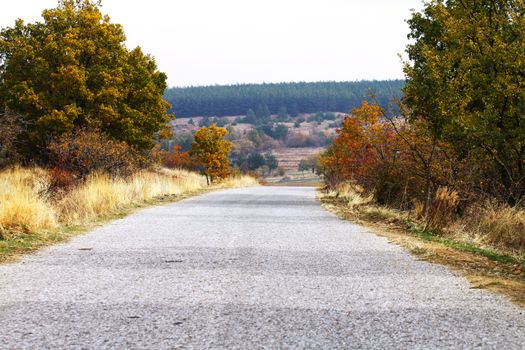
[[73, 71], [466, 79], [210, 150]]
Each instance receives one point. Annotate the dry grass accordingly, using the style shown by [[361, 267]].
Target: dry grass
[[237, 181], [442, 209], [24, 205], [500, 226], [27, 208], [352, 194], [102, 196], [482, 245]]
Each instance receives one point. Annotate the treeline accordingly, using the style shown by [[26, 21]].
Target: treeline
[[295, 98]]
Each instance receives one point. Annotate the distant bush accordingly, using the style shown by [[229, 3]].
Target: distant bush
[[300, 140], [177, 159]]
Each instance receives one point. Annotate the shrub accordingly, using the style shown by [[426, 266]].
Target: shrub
[[177, 159], [88, 151]]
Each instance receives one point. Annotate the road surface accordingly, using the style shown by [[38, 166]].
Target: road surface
[[253, 268]]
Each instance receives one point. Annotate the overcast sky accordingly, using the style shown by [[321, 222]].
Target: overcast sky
[[205, 42]]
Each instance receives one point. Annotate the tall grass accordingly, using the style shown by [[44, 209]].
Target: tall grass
[[498, 226], [27, 207], [501, 226], [24, 203]]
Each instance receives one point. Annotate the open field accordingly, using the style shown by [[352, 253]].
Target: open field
[[289, 158]]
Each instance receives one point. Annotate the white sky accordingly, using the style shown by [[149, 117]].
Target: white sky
[[203, 42]]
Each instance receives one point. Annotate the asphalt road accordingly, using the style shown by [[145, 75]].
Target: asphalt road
[[253, 268]]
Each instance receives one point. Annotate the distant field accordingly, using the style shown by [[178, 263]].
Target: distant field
[[289, 158]]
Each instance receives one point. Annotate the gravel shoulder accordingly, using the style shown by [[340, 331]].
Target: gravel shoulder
[[262, 267]]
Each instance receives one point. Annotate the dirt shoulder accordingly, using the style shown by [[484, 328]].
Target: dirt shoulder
[[483, 268]]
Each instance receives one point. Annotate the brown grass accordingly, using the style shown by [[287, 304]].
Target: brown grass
[[26, 206], [442, 208], [477, 246], [500, 226]]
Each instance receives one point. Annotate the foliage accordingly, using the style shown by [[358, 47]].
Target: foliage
[[88, 151], [177, 158], [210, 150], [73, 70], [12, 134], [266, 99], [255, 161], [271, 162], [465, 79]]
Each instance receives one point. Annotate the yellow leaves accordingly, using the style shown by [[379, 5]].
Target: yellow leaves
[[211, 150], [77, 57]]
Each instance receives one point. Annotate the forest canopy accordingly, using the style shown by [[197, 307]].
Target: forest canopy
[[294, 98]]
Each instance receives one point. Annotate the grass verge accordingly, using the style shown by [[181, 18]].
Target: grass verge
[[485, 267], [32, 217]]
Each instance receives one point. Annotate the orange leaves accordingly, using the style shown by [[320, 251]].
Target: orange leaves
[[361, 143], [177, 159], [210, 150]]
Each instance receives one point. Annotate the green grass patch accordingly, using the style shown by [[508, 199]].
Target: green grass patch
[[462, 246]]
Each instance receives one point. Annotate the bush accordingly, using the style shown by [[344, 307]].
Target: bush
[[177, 159], [88, 151]]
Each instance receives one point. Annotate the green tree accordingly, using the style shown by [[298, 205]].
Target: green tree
[[255, 161], [304, 165], [263, 113], [280, 132], [466, 79], [210, 149], [271, 162], [282, 115], [73, 70], [250, 118]]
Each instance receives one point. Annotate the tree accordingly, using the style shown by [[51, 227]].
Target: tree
[[280, 132], [465, 78], [271, 162], [205, 122], [255, 161], [12, 134], [210, 149], [282, 115], [250, 118], [263, 113], [73, 70], [303, 166]]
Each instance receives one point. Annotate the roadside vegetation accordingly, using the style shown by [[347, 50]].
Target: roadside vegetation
[[82, 119], [445, 163]]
